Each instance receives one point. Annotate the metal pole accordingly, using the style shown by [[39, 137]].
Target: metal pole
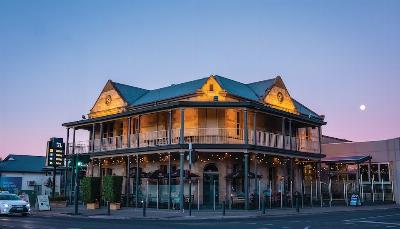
[[169, 180], [157, 194], [330, 192], [108, 208], [76, 196], [181, 188], [270, 194], [137, 180], [320, 191], [190, 178], [344, 192], [302, 193], [214, 195], [198, 195], [383, 190], [66, 166], [362, 187], [128, 179], [291, 192], [281, 184], [311, 194], [259, 195], [372, 188], [246, 180]]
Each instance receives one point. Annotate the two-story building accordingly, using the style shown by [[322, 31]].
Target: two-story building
[[250, 140]]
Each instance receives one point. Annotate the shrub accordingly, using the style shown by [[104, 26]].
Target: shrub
[[90, 189], [112, 188]]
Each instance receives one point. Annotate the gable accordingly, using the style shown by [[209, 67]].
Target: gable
[[279, 98], [210, 90], [109, 102]]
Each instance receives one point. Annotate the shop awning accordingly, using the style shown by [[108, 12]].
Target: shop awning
[[347, 159]]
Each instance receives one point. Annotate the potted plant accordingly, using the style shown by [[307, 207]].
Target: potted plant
[[91, 192], [112, 190], [58, 202]]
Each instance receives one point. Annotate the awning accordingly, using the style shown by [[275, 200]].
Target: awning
[[346, 160]]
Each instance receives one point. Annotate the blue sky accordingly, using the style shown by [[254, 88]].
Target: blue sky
[[55, 57]]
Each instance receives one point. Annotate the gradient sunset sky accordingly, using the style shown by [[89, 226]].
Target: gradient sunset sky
[[55, 57]]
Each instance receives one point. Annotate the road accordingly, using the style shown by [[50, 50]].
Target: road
[[384, 218]]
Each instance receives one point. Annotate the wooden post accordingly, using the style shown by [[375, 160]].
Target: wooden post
[[101, 137], [254, 128], [169, 127], [182, 131], [138, 131], [129, 132], [93, 136], [290, 134], [246, 130]]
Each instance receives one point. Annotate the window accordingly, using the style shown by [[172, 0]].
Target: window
[[364, 172], [374, 172], [384, 172], [237, 123], [211, 87]]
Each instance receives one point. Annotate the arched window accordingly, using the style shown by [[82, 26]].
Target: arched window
[[210, 168]]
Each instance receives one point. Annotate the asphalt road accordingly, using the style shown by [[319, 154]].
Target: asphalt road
[[389, 218]]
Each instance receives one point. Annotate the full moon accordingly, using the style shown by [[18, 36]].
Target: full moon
[[362, 107]]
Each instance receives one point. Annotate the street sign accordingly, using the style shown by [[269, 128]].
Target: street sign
[[55, 152], [43, 203]]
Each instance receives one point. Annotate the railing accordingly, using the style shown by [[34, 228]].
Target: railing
[[214, 136], [197, 136]]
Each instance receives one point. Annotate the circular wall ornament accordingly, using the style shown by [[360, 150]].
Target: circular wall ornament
[[280, 97], [108, 99]]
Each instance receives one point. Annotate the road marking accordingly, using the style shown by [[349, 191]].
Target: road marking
[[307, 227], [252, 223], [375, 222]]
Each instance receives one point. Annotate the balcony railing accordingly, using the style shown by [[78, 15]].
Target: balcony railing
[[196, 136]]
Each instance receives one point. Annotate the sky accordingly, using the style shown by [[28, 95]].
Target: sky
[[56, 56]]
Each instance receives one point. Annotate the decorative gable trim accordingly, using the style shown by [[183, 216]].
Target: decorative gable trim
[[278, 97], [110, 101]]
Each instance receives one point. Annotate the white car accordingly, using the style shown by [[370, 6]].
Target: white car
[[12, 204]]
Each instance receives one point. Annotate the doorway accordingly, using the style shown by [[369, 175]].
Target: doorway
[[210, 185]]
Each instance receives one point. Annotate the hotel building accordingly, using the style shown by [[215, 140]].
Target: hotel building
[[250, 141]]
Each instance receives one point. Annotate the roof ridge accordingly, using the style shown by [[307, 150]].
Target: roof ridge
[[172, 85], [261, 81], [130, 86]]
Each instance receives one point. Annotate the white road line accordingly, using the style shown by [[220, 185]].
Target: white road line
[[375, 222]]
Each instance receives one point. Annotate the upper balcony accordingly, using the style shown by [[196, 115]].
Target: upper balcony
[[207, 136]]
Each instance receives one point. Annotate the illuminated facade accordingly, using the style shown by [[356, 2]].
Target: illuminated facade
[[251, 141]]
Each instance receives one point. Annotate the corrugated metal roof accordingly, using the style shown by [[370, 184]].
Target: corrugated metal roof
[[172, 91], [253, 91], [130, 93], [236, 88], [23, 163]]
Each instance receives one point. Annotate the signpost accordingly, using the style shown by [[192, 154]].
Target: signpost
[[55, 157]]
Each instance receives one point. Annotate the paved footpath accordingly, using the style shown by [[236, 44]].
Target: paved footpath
[[137, 213]]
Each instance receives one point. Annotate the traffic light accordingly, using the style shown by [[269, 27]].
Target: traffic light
[[81, 160]]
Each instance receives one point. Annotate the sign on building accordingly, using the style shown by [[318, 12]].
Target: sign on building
[[55, 152]]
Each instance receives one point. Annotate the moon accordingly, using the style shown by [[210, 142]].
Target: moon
[[363, 107]]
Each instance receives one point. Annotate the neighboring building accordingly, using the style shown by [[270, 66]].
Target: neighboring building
[[249, 139], [379, 167], [329, 140], [20, 173]]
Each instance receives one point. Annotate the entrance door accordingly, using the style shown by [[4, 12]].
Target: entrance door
[[210, 185]]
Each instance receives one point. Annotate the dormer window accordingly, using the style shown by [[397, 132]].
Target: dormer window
[[211, 87]]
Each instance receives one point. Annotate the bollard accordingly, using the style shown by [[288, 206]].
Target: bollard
[[223, 208], [144, 208], [108, 208]]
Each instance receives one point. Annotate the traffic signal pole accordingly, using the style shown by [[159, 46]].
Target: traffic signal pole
[[76, 184]]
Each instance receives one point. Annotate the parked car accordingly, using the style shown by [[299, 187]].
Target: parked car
[[13, 204]]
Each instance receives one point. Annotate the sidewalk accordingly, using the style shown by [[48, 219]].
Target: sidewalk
[[133, 213]]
